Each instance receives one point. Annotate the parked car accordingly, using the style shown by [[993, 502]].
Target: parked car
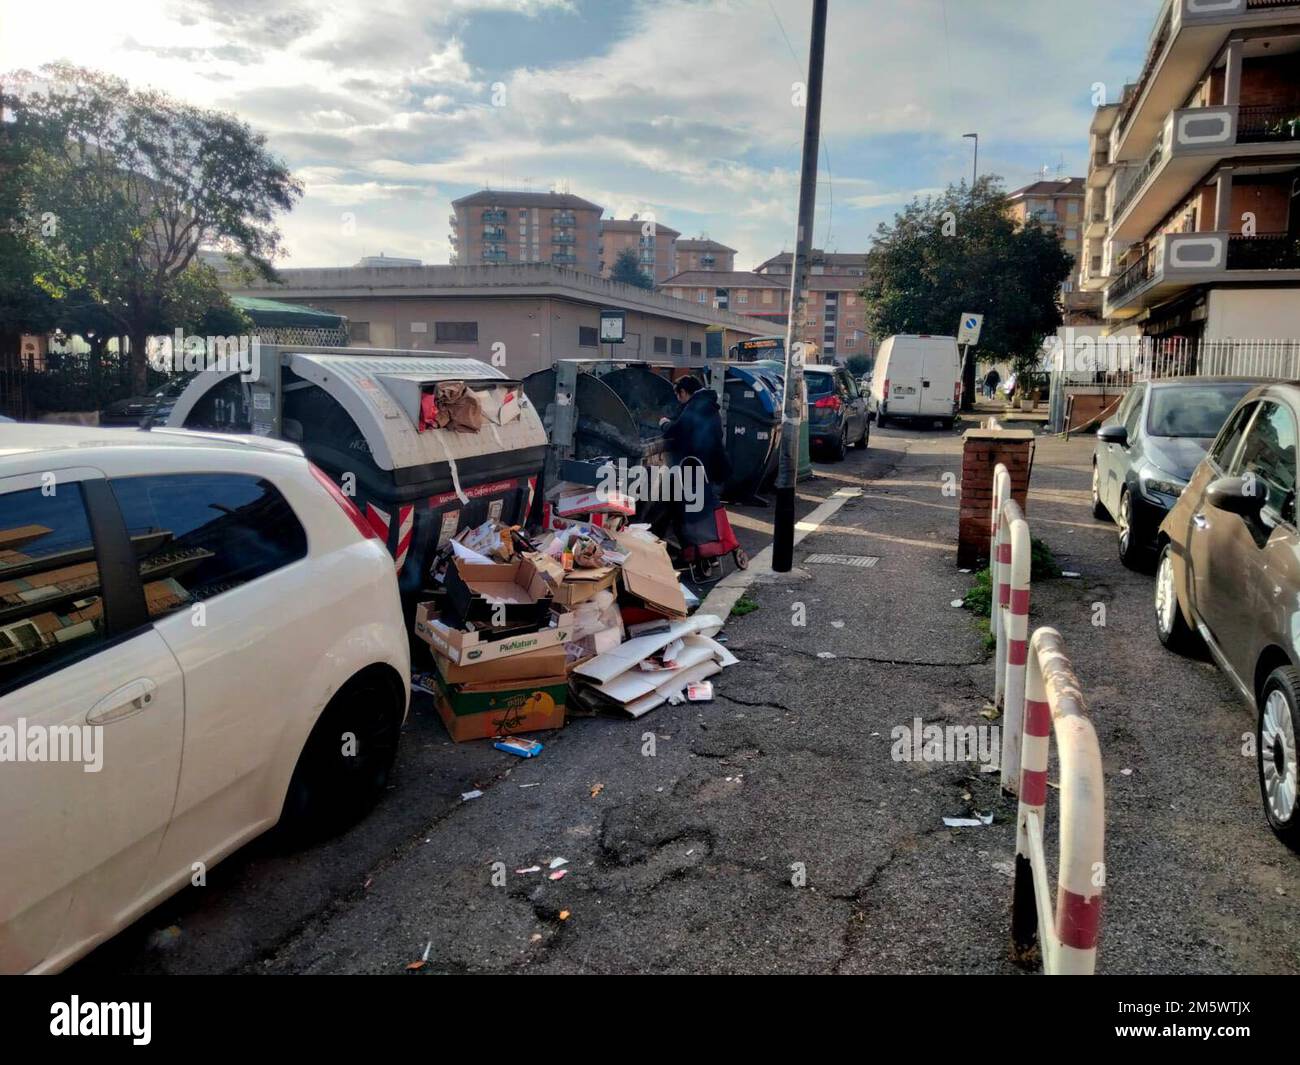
[[917, 377], [837, 411], [1147, 451], [212, 619], [1229, 576], [132, 411]]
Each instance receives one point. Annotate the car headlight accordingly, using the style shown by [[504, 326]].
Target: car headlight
[[1156, 483]]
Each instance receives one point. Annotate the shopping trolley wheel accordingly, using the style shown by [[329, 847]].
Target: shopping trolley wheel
[[742, 558]]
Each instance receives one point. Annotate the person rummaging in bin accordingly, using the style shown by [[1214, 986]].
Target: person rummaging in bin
[[695, 436]]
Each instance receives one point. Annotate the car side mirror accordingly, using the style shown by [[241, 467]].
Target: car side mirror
[[1237, 495], [1113, 434]]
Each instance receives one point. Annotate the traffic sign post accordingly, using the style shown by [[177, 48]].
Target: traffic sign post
[[968, 335], [613, 327]]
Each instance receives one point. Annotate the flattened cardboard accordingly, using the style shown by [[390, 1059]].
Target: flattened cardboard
[[604, 668], [648, 574], [465, 646], [548, 662], [576, 586]]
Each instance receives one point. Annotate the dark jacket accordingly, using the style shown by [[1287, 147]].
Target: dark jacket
[[696, 432]]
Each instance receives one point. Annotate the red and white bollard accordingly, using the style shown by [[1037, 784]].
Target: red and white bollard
[[1012, 571]]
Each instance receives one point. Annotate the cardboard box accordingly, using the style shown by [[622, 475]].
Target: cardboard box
[[485, 711], [552, 522], [464, 646], [593, 501], [576, 586], [648, 575], [501, 595], [548, 662]]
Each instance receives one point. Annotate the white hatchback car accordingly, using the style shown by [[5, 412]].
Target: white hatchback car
[[200, 637]]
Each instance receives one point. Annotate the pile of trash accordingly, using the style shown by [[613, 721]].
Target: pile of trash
[[588, 616]]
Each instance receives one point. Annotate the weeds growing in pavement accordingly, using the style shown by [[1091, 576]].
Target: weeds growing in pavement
[[744, 605]]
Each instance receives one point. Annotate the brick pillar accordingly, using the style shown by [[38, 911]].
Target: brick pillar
[[982, 450]]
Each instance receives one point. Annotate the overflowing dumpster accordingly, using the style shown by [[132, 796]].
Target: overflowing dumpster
[[425, 444]]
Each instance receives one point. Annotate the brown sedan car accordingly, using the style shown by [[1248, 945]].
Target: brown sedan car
[[1229, 576]]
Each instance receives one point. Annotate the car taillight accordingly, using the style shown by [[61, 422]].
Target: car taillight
[[956, 392], [886, 392], [830, 402], [349, 508]]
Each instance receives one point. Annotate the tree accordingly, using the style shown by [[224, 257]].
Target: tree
[[627, 269], [945, 255], [136, 182], [858, 365]]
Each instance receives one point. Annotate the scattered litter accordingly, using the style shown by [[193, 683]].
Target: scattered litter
[[958, 602], [837, 624], [1126, 772], [1280, 890], [465, 796], [530, 869], [165, 937], [826, 654], [1005, 868], [990, 769], [559, 874], [557, 862], [978, 821], [521, 747], [1071, 574], [991, 712], [596, 789], [692, 851], [417, 965], [537, 785], [963, 571], [700, 692], [564, 915], [536, 937]]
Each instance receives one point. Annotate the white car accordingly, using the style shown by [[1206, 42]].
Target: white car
[[200, 637]]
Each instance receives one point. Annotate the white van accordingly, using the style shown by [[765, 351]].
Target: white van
[[917, 377]]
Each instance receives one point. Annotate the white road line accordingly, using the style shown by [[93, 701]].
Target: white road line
[[725, 593]]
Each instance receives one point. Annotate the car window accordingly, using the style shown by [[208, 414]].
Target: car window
[[197, 535], [851, 385], [1224, 449], [1269, 455], [820, 384], [1193, 410], [1133, 416], [50, 605]]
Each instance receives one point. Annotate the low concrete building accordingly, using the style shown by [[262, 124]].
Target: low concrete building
[[522, 317]]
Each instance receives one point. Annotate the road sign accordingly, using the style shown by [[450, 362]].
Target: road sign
[[613, 325], [969, 331]]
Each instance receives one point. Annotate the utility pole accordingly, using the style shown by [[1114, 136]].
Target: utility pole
[[975, 164], [792, 413]]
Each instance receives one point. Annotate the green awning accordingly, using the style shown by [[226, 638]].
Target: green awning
[[273, 314]]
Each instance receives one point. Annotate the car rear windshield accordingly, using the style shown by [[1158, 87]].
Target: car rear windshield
[[1193, 410], [820, 384]]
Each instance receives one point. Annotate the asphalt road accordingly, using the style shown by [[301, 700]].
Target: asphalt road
[[774, 830]]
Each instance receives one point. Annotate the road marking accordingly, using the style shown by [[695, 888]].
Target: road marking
[[724, 596]]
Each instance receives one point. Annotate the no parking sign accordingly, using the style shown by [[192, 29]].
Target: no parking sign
[[969, 330]]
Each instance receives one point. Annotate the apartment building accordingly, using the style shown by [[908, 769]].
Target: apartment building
[[654, 243], [1059, 205], [701, 253], [1193, 189], [493, 227]]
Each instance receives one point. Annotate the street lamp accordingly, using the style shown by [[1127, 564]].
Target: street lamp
[[975, 165]]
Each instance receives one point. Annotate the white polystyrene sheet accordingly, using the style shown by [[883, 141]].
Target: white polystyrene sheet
[[606, 667], [677, 683], [635, 683]]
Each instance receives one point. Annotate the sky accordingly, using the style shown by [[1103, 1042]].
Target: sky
[[684, 110]]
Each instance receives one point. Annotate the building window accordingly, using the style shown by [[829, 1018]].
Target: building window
[[677, 346], [696, 349], [1071, 235], [661, 345], [359, 332], [702, 296], [588, 336], [742, 295], [456, 332]]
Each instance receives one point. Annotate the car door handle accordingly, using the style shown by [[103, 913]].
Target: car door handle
[[127, 700], [1200, 521]]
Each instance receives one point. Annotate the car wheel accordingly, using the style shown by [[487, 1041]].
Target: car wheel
[[841, 447], [1098, 507], [346, 762], [1171, 625], [1275, 753], [881, 419], [946, 424], [866, 433], [1131, 551]]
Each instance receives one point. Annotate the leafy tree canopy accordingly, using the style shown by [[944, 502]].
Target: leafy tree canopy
[[627, 269]]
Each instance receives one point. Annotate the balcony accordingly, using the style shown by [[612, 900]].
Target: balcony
[[1188, 35], [563, 258], [564, 218], [1178, 261], [563, 238], [495, 215], [1268, 125], [493, 233], [1096, 226], [491, 255], [451, 220]]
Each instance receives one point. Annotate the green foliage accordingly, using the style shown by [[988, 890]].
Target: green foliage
[[744, 605], [858, 365], [960, 251], [134, 183], [1043, 564], [627, 269], [979, 601]]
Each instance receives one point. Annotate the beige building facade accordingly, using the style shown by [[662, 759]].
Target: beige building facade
[[493, 228], [655, 246], [703, 254], [1060, 206]]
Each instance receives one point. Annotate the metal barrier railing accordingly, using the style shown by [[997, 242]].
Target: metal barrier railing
[[1009, 563], [1053, 705]]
